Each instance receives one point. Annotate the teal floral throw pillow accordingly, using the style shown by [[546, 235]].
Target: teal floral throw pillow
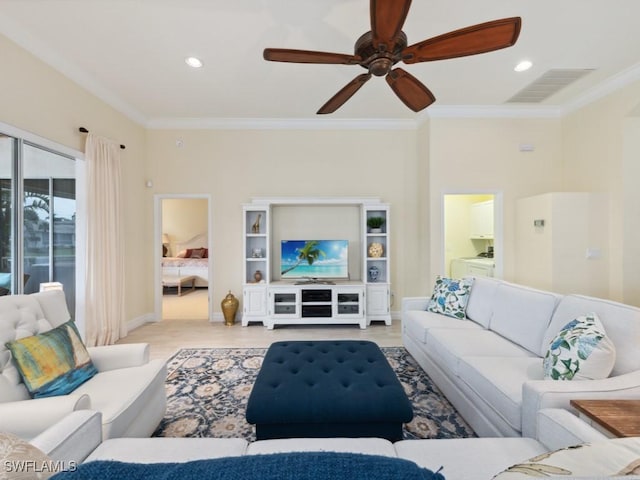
[[580, 351], [450, 296]]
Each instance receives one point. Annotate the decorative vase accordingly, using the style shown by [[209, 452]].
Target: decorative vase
[[229, 306], [376, 250], [375, 230], [374, 273], [257, 276]]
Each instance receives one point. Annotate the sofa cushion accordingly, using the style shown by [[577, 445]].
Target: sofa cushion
[[499, 380], [481, 298], [522, 315], [447, 346], [450, 296], [370, 446], [621, 322], [580, 351], [615, 457], [417, 323], [52, 363], [464, 458], [121, 394], [22, 316], [166, 449]]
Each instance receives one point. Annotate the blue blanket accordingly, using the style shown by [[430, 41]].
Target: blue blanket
[[278, 466]]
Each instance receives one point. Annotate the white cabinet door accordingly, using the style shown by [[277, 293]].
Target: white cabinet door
[[378, 303], [479, 270], [254, 306], [482, 220]]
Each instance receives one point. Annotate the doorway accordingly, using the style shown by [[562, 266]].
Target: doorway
[[184, 270], [472, 234]]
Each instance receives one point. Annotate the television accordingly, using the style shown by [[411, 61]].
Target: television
[[314, 259]]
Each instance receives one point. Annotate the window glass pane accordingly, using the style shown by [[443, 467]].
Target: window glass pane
[[7, 149], [49, 220]]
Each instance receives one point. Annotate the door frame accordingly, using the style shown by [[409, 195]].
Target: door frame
[[498, 226], [157, 247]]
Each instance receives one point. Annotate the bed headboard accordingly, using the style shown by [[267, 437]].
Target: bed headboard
[[199, 241]]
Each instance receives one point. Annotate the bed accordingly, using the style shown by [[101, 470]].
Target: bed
[[183, 264]]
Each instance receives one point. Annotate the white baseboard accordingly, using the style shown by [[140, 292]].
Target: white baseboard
[[140, 321]]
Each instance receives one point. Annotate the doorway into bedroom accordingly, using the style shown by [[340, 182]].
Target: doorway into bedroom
[[183, 233]]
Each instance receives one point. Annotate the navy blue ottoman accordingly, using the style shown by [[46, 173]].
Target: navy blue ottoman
[[327, 389]]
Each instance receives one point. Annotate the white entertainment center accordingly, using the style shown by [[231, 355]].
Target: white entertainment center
[[362, 298]]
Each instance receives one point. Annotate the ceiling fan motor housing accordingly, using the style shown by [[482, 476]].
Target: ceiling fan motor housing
[[379, 61]]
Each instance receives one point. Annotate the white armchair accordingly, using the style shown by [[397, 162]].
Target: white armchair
[[128, 389]]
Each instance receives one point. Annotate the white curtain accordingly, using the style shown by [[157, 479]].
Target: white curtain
[[105, 316]]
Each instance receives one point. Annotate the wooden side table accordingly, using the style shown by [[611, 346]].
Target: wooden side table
[[614, 418]]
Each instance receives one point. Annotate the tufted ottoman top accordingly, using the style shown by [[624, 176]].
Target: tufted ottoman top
[[327, 382]]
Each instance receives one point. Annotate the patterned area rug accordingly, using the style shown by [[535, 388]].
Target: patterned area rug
[[208, 390]]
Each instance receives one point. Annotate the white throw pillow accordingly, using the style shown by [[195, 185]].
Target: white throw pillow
[[580, 351], [615, 457], [450, 296]]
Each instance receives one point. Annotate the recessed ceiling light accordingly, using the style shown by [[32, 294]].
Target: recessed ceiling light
[[193, 62], [522, 66]]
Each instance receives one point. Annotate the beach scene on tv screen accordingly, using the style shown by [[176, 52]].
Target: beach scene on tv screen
[[314, 258]]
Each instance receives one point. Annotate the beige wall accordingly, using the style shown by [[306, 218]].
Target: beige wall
[[235, 166], [37, 99], [475, 155], [601, 154]]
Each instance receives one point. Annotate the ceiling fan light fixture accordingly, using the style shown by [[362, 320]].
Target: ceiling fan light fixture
[[193, 62], [523, 66]]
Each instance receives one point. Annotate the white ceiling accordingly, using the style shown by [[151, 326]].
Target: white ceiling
[[131, 53]]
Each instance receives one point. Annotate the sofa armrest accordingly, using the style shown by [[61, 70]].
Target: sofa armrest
[[558, 428], [73, 438], [539, 394], [414, 303], [113, 357], [28, 418]]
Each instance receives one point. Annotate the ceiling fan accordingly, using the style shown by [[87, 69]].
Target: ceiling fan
[[386, 44]]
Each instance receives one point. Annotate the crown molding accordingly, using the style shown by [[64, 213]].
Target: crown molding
[[495, 111], [280, 124], [605, 88]]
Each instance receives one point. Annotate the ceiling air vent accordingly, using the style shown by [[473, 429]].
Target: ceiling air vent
[[549, 83]]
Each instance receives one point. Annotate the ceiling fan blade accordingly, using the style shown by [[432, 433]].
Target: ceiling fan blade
[[481, 38], [309, 56], [410, 90], [387, 19], [345, 94]]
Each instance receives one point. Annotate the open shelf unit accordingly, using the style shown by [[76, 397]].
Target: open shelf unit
[[356, 301]]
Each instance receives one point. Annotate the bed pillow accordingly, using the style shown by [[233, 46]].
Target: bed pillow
[[450, 296], [197, 253], [21, 460], [604, 459], [580, 351], [52, 363]]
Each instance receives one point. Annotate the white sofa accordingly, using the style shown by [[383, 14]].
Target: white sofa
[[128, 389], [489, 365], [77, 439]]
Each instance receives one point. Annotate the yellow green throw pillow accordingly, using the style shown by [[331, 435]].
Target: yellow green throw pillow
[[54, 362]]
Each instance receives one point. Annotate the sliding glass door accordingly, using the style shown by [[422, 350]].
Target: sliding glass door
[[38, 243], [7, 157]]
